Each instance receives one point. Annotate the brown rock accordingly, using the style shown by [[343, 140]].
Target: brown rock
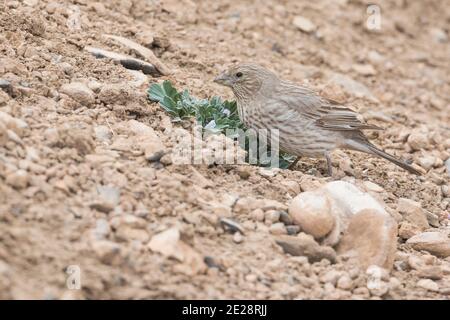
[[79, 92], [436, 243], [373, 237], [168, 243], [407, 230], [305, 245], [413, 213]]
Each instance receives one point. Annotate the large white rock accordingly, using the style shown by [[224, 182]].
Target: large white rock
[[352, 200]]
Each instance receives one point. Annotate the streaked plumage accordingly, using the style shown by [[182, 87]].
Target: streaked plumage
[[309, 125]]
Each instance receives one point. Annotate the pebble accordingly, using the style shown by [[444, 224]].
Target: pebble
[[304, 24], [377, 281], [237, 237], [292, 186], [436, 243], [103, 133], [427, 162], [257, 215], [305, 245], [370, 186], [79, 92], [331, 276], [277, 228], [18, 179], [292, 230], [418, 141], [108, 252], [285, 218], [438, 35], [431, 272], [364, 69], [344, 283], [272, 216], [108, 199], [428, 284], [412, 212]]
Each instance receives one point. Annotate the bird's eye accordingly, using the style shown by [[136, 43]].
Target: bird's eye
[[239, 74]]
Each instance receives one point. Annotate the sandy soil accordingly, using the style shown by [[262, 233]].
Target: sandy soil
[[58, 152]]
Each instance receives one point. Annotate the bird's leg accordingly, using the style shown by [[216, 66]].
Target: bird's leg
[[329, 164], [292, 165]]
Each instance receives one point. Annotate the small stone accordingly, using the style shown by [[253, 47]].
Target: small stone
[[373, 187], [311, 210], [272, 216], [436, 243], [117, 94], [418, 141], [292, 186], [108, 199], [168, 244], [447, 166], [431, 272], [165, 159], [79, 92], [438, 35], [428, 284], [285, 218], [304, 24], [345, 283], [376, 280], [408, 230], [103, 133], [277, 228], [128, 233], [373, 237], [268, 173], [243, 172], [331, 276], [257, 215], [108, 252], [292, 230], [101, 230], [18, 179], [305, 245], [251, 278], [248, 204], [412, 212], [237, 237], [364, 69], [427, 162]]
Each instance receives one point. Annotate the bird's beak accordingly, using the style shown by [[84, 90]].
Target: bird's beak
[[223, 79]]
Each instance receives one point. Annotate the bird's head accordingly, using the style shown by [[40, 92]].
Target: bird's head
[[246, 79]]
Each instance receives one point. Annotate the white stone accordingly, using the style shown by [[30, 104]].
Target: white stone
[[311, 210], [304, 24]]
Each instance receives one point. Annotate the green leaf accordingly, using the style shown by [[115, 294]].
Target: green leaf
[[214, 115]]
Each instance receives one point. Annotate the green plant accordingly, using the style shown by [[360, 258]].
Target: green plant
[[214, 115]]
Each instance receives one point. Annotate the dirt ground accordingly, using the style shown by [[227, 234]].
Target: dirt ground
[[77, 190]]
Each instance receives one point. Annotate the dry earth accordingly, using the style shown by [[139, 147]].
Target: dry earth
[[76, 188]]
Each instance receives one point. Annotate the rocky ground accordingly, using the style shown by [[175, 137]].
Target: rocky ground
[[76, 135]]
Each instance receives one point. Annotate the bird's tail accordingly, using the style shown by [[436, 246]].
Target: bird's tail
[[366, 146]]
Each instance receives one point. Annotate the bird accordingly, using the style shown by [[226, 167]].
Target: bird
[[309, 125]]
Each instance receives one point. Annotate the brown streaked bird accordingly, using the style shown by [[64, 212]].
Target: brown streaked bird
[[309, 124]]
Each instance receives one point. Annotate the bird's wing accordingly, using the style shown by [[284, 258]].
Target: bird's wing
[[325, 113]]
